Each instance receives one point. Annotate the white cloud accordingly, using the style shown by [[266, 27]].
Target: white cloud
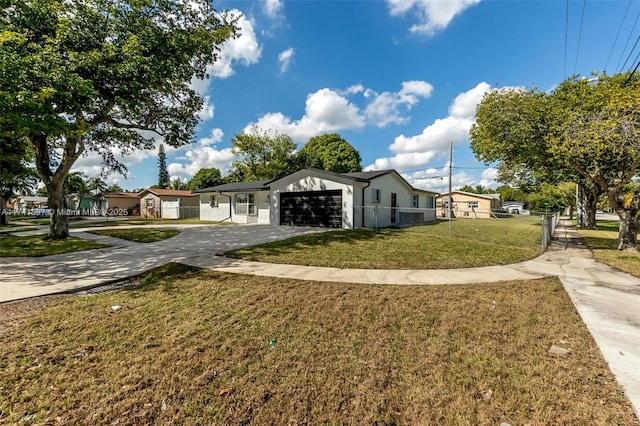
[[208, 109], [418, 150], [325, 111], [284, 58], [489, 177], [385, 107], [274, 9], [214, 137], [432, 15], [352, 90], [464, 105], [437, 180], [244, 50], [203, 157]]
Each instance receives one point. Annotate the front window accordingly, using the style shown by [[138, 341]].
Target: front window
[[149, 202], [245, 204], [472, 204], [415, 201], [430, 202]]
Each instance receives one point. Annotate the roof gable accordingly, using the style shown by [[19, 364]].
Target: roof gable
[[166, 192]]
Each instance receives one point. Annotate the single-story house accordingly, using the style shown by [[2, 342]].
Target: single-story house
[[27, 202], [468, 205], [168, 204], [83, 203], [312, 197], [116, 203]]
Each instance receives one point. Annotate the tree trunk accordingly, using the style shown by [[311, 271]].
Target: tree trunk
[[591, 205], [59, 226], [628, 233], [3, 212]]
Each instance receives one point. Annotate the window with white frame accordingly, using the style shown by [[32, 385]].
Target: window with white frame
[[415, 201], [376, 195], [245, 204], [430, 202], [472, 204]]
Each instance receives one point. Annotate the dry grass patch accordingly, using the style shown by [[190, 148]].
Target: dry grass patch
[[603, 242], [200, 347], [474, 242]]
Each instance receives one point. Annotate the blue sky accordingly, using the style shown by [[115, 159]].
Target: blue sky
[[398, 79]]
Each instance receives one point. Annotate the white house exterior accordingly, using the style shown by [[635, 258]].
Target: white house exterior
[[312, 197], [239, 202]]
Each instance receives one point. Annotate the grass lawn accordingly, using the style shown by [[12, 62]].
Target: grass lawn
[[603, 242], [35, 245], [478, 242], [140, 221], [144, 235], [200, 347]]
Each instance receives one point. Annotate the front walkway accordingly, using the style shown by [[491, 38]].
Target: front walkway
[[607, 300]]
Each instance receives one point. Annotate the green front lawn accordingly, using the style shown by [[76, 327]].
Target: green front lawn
[[474, 242], [139, 235], [35, 245], [200, 347], [603, 242]]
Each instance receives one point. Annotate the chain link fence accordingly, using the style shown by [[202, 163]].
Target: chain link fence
[[549, 221]]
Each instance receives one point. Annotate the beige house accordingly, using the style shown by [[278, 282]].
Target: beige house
[[169, 204], [115, 203], [468, 205]]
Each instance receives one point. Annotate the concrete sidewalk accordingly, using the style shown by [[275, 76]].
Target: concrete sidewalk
[[607, 300]]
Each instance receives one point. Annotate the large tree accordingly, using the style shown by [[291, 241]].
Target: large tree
[[91, 75], [262, 155], [330, 152], [586, 130], [599, 136], [205, 178]]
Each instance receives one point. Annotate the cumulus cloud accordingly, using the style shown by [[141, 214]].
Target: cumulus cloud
[[385, 108], [214, 137], [432, 15], [325, 111], [274, 9], [284, 58], [244, 50], [418, 150], [201, 157]]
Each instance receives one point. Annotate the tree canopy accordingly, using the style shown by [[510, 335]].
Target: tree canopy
[[16, 175], [163, 173], [330, 152], [93, 75], [586, 129], [205, 178], [262, 156]]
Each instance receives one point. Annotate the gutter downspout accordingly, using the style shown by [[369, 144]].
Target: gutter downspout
[[363, 209], [230, 207]]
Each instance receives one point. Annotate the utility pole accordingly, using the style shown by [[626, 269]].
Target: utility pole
[[450, 195]]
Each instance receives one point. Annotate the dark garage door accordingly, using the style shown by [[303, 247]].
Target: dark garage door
[[311, 208]]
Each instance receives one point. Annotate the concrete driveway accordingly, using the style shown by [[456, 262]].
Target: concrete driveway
[[29, 277]]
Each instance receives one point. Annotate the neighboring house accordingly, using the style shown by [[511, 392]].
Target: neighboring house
[[312, 197], [116, 203], [27, 202], [168, 204], [513, 207], [81, 203], [469, 205]]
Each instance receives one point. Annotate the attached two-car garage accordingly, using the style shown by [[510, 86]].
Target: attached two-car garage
[[311, 208]]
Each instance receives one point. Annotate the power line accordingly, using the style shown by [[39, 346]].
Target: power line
[[624, 18], [618, 69], [575, 65], [630, 53]]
